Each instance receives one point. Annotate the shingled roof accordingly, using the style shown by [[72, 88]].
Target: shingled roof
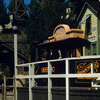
[[93, 5]]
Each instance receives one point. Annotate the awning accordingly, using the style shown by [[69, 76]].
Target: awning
[[82, 21], [69, 43]]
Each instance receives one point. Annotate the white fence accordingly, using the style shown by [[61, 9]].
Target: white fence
[[67, 74]]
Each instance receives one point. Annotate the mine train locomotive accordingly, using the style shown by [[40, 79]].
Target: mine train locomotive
[[64, 43]]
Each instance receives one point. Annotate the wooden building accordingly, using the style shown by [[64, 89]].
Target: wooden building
[[89, 21]]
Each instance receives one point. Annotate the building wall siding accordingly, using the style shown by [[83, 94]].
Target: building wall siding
[[93, 36], [93, 23], [99, 34]]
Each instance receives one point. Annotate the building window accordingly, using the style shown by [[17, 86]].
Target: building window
[[88, 51], [88, 25], [93, 49]]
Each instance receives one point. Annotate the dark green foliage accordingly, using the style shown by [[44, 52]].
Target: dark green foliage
[[76, 6], [4, 17], [11, 6], [5, 71], [44, 17]]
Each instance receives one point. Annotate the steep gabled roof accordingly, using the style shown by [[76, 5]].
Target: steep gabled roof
[[93, 5], [11, 50]]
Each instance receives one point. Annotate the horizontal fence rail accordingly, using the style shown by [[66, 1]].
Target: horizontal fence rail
[[67, 74]]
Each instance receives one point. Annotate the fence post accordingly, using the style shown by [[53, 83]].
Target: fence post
[[14, 87], [67, 79], [4, 87], [2, 91]]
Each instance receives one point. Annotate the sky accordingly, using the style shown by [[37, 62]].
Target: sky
[[26, 1], [7, 1]]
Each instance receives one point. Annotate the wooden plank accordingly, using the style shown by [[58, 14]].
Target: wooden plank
[[4, 87]]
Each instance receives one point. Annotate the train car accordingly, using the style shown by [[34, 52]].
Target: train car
[[64, 43]]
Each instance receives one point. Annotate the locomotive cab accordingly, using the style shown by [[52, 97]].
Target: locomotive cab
[[64, 43]]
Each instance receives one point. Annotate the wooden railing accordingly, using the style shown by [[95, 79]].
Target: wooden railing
[[8, 89]]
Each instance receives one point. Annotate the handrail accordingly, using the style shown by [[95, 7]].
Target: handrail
[[49, 75]]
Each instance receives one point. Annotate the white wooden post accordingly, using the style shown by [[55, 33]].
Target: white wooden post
[[15, 50], [49, 82], [31, 81], [15, 57], [67, 79], [5, 88]]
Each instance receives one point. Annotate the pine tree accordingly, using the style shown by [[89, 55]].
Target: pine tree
[[44, 16], [76, 6], [11, 6], [4, 17]]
